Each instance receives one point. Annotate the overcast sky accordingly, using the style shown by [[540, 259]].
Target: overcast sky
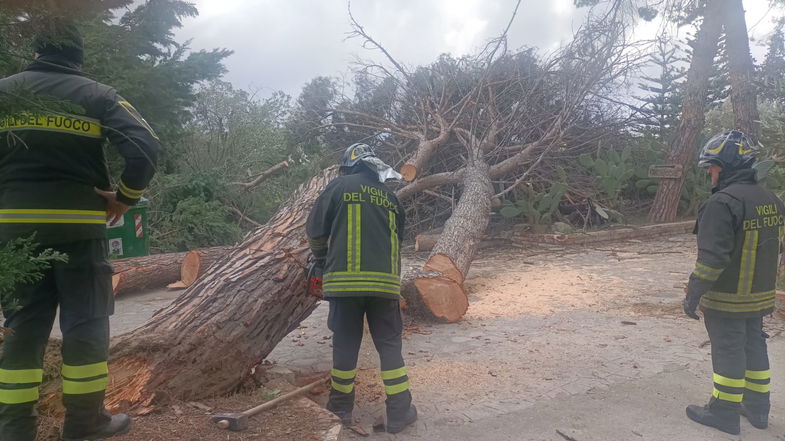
[[282, 44]]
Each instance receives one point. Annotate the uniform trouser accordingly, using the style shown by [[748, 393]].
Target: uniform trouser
[[83, 290], [741, 363], [385, 323]]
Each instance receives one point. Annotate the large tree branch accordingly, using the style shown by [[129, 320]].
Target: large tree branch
[[263, 176]]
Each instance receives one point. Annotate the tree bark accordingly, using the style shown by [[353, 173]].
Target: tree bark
[[426, 148], [453, 254], [437, 290], [197, 262], [684, 144], [206, 342], [139, 273], [743, 95]]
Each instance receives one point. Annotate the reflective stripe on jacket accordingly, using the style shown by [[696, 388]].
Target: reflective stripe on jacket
[[357, 224], [52, 158], [739, 231]]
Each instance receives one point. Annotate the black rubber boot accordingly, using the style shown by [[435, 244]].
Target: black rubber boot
[[344, 415], [723, 417], [18, 422], [759, 420], [341, 405], [398, 424], [119, 424]]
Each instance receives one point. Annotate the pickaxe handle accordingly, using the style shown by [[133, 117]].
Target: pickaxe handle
[[272, 403]]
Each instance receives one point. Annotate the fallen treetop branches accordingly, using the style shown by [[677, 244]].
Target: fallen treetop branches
[[482, 126]]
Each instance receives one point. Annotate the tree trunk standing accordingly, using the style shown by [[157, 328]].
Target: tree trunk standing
[[743, 95], [139, 273], [206, 342], [683, 145]]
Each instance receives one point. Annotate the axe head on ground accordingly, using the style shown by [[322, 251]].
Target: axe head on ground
[[232, 421]]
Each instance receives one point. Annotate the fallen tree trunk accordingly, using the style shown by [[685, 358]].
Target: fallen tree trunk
[[426, 241], [207, 341], [464, 230], [437, 290], [139, 273], [197, 262]]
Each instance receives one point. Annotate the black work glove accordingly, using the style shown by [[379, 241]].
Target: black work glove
[[690, 305]]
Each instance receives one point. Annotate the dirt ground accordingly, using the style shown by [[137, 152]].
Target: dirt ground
[[559, 343]]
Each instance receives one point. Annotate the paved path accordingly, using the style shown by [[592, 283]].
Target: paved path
[[589, 342]]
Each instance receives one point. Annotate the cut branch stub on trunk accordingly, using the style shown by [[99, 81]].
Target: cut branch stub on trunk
[[197, 262], [207, 341]]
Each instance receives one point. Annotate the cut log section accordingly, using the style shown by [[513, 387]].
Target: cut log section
[[431, 295], [140, 273], [207, 341], [197, 262]]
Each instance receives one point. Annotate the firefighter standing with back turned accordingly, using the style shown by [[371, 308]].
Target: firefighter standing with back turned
[[354, 229], [739, 232], [54, 183]]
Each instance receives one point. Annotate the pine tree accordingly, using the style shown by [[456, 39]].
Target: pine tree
[[661, 108], [772, 72]]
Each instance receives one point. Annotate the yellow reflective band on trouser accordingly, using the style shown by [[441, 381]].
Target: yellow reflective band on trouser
[[19, 396], [706, 272], [67, 124], [36, 216], [344, 388], [21, 376], [85, 371], [394, 373], [84, 387], [760, 388], [758, 375], [724, 396], [344, 375], [730, 382], [397, 388], [749, 256], [128, 192]]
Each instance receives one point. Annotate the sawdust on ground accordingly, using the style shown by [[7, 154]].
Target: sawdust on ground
[[540, 291]]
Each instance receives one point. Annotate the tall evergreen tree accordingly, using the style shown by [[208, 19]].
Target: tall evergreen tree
[[661, 108]]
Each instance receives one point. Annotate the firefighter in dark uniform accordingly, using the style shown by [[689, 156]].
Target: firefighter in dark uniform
[[54, 183], [739, 232], [355, 229]]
